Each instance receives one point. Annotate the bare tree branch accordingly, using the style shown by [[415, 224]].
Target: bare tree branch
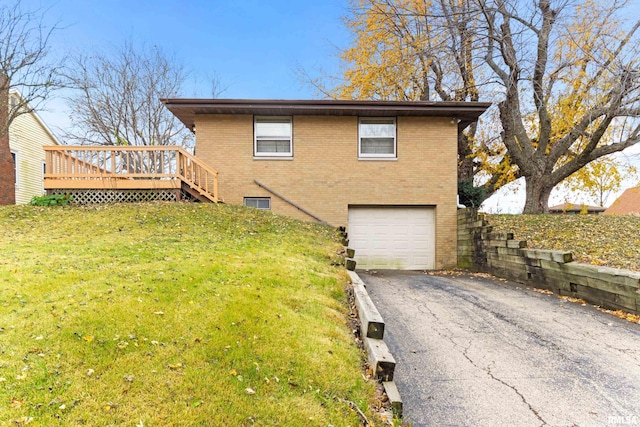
[[563, 75], [116, 98], [26, 67]]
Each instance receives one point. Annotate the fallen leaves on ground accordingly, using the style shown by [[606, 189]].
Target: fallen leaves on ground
[[607, 240], [622, 315], [445, 272], [16, 403], [572, 299], [633, 318]]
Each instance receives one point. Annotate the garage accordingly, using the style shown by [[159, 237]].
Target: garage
[[393, 237]]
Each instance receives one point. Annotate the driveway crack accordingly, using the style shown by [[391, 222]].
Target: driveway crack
[[524, 399], [515, 390]]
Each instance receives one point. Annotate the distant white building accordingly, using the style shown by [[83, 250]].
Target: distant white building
[[27, 135]]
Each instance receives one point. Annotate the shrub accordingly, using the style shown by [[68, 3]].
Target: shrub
[[51, 200], [470, 196]]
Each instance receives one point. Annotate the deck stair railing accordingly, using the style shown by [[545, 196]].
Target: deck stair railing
[[198, 175], [128, 167]]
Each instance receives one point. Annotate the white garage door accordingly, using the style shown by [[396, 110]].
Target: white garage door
[[401, 238]]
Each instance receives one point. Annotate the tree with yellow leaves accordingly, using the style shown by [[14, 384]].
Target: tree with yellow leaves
[[601, 178], [564, 75]]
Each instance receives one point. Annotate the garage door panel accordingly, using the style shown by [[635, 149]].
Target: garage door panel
[[393, 237]]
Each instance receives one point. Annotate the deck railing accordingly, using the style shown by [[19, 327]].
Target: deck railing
[[128, 167], [198, 175]]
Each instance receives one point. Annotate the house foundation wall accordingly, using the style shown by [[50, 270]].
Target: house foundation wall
[[325, 175]]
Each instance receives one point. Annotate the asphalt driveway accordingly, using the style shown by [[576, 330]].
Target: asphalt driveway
[[481, 352]]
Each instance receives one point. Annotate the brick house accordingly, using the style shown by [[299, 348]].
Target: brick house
[[385, 170]]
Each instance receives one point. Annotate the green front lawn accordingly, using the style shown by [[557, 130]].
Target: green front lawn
[[173, 314]]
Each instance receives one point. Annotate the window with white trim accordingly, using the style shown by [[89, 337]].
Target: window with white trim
[[377, 137], [14, 155], [273, 137], [258, 202]]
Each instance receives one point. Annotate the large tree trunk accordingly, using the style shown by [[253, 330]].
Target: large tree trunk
[[465, 160], [538, 191]]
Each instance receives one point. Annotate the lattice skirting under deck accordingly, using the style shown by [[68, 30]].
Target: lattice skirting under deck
[[91, 197]]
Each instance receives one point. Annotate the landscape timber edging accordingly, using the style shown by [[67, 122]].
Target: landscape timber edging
[[372, 332], [371, 322], [480, 248]]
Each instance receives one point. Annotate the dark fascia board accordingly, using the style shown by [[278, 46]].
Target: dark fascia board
[[186, 109]]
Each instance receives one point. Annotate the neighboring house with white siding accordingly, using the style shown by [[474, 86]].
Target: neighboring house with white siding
[[27, 135]]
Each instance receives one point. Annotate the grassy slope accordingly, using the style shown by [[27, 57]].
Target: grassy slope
[[594, 239], [166, 314]]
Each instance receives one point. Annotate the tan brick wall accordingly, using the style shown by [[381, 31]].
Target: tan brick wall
[[325, 175]]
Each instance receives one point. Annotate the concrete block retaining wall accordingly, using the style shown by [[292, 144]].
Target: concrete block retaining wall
[[482, 249]]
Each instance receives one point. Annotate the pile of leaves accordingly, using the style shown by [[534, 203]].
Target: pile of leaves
[[612, 241]]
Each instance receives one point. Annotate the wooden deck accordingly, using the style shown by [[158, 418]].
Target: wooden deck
[[128, 168]]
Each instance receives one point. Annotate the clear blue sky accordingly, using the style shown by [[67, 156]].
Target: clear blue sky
[[253, 47]]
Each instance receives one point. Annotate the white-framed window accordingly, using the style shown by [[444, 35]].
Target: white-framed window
[[14, 155], [273, 137], [377, 137], [258, 202]]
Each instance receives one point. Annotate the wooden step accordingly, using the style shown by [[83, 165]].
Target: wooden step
[[201, 196]]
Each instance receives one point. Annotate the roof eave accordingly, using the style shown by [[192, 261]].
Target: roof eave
[[186, 109]]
